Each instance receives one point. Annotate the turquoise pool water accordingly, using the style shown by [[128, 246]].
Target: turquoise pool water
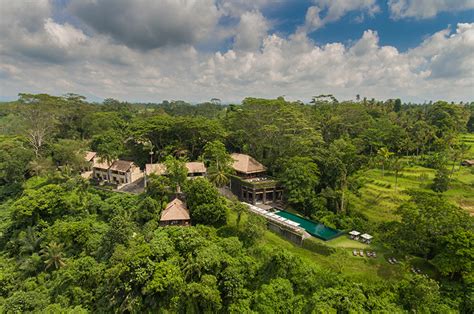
[[316, 229]]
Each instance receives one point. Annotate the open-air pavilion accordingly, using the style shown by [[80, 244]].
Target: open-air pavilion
[[367, 238], [354, 234]]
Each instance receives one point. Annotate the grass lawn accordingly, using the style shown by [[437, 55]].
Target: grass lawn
[[343, 261], [346, 243]]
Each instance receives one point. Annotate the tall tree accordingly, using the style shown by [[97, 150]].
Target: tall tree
[[176, 171], [300, 177], [218, 161], [39, 114]]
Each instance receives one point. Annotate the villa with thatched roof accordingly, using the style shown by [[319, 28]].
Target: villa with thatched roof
[[175, 214], [247, 166], [251, 184]]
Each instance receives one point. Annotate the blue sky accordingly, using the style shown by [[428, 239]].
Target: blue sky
[[146, 50], [402, 33]]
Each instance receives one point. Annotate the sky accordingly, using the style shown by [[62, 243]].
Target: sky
[[195, 50]]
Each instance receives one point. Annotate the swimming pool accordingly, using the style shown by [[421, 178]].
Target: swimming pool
[[316, 229]]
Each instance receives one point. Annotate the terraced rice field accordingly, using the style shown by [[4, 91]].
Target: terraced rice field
[[381, 196]]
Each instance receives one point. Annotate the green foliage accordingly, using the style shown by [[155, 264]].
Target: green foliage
[[148, 209], [14, 160], [109, 145], [68, 153], [53, 256], [253, 228], [219, 163], [21, 302], [205, 204], [317, 247], [441, 180], [68, 248], [433, 228], [300, 177], [43, 205], [176, 171], [421, 294]]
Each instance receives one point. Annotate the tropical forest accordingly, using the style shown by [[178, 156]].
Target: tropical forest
[[259, 206]]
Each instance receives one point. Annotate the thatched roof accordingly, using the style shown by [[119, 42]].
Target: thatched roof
[[175, 210], [160, 169], [246, 164], [195, 167]]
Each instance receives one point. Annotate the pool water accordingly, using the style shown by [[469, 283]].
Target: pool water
[[316, 229]]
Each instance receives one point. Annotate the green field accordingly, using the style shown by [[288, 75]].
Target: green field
[[468, 138], [380, 196]]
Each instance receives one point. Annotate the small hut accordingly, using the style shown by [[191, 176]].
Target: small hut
[[175, 214]]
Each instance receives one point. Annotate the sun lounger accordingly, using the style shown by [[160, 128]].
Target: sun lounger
[[390, 260], [374, 254], [361, 253], [354, 252]]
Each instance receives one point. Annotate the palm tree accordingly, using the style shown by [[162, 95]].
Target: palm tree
[[397, 167], [53, 255], [218, 176], [385, 154]]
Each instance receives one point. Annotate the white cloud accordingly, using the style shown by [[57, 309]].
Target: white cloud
[[260, 63], [64, 35], [423, 9], [236, 8], [327, 11], [251, 30]]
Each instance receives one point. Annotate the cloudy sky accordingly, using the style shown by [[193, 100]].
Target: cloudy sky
[[195, 50]]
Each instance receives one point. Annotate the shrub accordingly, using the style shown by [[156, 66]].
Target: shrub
[[317, 247]]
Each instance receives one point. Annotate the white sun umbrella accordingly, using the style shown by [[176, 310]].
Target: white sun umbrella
[[366, 236], [354, 233]]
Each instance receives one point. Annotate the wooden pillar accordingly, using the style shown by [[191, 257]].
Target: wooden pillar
[[253, 196], [264, 196]]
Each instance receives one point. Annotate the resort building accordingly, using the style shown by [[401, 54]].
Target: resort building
[[123, 172], [175, 214], [250, 182], [119, 172], [100, 170]]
